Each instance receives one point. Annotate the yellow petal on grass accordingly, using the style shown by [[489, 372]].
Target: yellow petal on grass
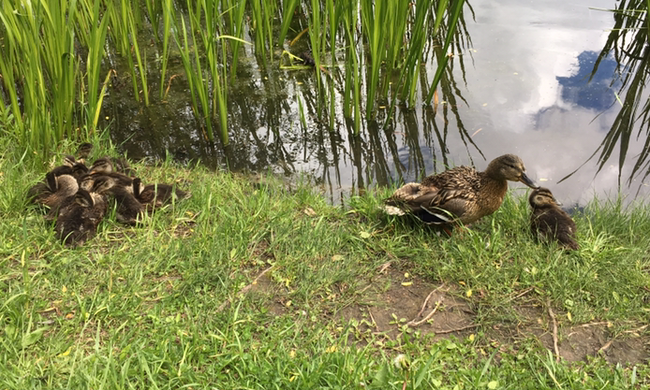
[[468, 293], [66, 353], [472, 337], [64, 289], [406, 284], [568, 315]]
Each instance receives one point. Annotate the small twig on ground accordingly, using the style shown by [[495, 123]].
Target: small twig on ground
[[245, 289], [521, 294], [462, 328], [414, 323], [424, 305], [594, 324], [552, 315], [607, 345], [373, 320], [637, 330], [384, 266]]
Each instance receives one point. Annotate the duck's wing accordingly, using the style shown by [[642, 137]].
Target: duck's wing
[[407, 198]]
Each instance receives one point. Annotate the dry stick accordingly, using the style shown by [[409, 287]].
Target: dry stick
[[245, 289], [552, 315], [607, 345], [414, 323], [521, 294], [373, 320], [456, 329], [424, 305]]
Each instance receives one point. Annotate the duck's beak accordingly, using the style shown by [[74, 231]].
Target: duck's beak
[[526, 180]]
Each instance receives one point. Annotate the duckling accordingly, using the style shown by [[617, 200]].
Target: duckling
[[54, 191], [83, 151], [157, 195], [129, 209], [79, 217], [462, 195], [110, 165], [549, 222]]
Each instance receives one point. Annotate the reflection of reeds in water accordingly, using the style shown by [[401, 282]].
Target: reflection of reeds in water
[[368, 56], [628, 41]]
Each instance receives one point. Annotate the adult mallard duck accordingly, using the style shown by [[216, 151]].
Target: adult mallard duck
[[460, 195], [549, 222]]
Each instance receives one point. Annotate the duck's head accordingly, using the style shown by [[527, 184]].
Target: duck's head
[[84, 199], [83, 151], [509, 167], [103, 184], [542, 197], [101, 165]]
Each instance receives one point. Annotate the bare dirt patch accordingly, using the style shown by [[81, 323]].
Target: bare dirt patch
[[393, 301]]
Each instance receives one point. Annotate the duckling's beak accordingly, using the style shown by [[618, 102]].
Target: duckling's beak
[[526, 180]]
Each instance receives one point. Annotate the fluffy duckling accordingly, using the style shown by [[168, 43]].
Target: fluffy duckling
[[157, 195], [462, 194], [110, 165], [54, 191], [83, 151], [129, 209], [78, 218], [549, 222]]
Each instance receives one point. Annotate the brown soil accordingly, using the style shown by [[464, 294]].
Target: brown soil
[[390, 301], [401, 302]]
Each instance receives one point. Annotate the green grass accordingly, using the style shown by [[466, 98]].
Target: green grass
[[161, 305]]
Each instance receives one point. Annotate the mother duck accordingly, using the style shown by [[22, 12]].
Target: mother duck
[[460, 195]]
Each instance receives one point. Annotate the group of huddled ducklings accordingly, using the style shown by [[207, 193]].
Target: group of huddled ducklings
[[463, 195], [78, 196]]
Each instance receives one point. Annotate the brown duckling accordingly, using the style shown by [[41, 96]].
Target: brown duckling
[[129, 209], [83, 151], [112, 165], [54, 191], [79, 217], [462, 195], [157, 195], [549, 222]]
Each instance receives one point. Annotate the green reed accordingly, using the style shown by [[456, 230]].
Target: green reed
[[288, 9], [263, 13], [372, 17], [352, 87], [191, 61], [454, 11], [39, 70], [98, 24], [168, 15], [234, 12]]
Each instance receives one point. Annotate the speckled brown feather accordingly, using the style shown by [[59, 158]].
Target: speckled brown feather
[[549, 222]]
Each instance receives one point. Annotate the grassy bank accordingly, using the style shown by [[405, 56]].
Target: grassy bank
[[259, 284]]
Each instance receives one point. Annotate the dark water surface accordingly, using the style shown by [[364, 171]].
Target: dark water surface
[[519, 86]]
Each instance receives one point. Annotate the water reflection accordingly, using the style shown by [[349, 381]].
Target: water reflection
[[518, 82]]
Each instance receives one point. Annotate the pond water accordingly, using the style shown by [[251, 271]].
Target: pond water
[[520, 85]]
